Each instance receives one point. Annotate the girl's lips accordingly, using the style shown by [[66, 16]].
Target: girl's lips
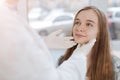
[[79, 35]]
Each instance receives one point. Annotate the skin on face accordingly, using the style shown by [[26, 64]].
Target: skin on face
[[85, 27], [12, 1]]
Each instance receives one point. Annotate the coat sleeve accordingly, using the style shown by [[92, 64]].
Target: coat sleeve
[[24, 56]]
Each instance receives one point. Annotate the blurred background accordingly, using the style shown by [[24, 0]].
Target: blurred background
[[46, 16]]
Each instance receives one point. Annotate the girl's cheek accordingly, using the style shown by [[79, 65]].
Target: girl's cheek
[[92, 35]]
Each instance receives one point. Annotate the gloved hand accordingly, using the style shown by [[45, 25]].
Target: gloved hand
[[85, 48], [55, 41]]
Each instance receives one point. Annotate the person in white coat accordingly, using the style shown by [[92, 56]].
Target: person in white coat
[[24, 56]]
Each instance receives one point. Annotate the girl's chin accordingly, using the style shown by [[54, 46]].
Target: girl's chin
[[81, 42]]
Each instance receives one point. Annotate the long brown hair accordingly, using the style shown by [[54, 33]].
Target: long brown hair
[[100, 67]]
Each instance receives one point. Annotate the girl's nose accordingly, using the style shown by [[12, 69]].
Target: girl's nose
[[81, 28]]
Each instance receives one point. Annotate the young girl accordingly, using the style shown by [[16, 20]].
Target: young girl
[[91, 23]]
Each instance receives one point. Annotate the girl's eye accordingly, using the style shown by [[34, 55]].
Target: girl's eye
[[77, 23], [89, 25]]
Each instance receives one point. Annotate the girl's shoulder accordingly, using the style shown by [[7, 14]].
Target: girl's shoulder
[[116, 65]]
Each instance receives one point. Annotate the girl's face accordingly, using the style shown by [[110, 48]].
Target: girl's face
[[85, 27]]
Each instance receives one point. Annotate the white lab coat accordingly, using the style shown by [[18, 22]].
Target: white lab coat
[[24, 56]]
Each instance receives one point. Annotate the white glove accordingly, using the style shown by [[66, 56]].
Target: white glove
[[55, 41], [85, 48]]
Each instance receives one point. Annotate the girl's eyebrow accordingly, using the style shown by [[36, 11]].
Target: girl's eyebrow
[[77, 19], [90, 21]]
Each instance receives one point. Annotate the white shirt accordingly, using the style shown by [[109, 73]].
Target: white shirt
[[24, 56]]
